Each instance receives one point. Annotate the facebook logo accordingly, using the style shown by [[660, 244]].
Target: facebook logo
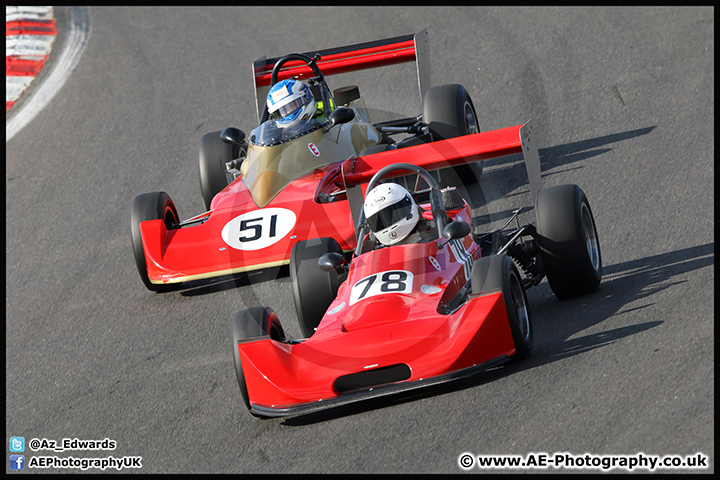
[[17, 444], [17, 462]]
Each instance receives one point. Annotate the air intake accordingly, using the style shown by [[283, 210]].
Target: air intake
[[371, 378]]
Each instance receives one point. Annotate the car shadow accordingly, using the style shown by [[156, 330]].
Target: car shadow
[[561, 155], [622, 285], [503, 176]]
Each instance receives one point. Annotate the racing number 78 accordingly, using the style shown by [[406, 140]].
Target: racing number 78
[[394, 281]]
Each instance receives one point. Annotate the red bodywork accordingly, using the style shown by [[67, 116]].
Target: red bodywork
[[333, 64], [200, 251], [217, 243], [384, 333]]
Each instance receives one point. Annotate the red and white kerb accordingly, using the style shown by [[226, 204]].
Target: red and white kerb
[[29, 36]]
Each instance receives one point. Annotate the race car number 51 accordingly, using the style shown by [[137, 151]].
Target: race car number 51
[[258, 229], [382, 283]]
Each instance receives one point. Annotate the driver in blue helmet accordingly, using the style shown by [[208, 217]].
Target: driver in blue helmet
[[291, 102]]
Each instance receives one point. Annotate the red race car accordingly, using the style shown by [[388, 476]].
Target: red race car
[[283, 182], [400, 316]]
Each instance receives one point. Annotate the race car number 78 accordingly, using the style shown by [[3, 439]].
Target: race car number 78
[[391, 281]]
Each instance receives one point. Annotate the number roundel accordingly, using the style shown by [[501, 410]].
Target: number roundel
[[393, 281], [258, 229]]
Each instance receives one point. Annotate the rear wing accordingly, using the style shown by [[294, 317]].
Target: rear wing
[[446, 153], [361, 56]]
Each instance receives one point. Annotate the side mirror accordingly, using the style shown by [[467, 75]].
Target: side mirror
[[456, 229], [331, 261], [233, 135], [341, 115]]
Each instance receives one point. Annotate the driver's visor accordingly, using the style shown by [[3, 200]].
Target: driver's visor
[[390, 215], [288, 108]]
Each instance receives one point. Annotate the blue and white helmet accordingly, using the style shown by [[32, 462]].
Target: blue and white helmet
[[289, 102]]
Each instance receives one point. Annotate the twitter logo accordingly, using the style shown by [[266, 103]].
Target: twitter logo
[[17, 444]]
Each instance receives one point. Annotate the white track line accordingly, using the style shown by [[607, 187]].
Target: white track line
[[76, 40]]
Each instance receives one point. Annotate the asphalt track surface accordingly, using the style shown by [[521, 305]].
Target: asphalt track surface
[[623, 105]]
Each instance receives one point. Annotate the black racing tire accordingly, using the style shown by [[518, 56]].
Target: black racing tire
[[499, 272], [313, 289], [449, 112], [213, 154], [151, 206], [254, 323], [568, 241]]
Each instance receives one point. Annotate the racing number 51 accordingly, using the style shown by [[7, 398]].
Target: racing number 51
[[257, 228]]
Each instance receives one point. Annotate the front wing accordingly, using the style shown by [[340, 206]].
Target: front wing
[[385, 390], [289, 379]]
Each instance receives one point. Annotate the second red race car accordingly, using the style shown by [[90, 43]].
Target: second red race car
[[282, 183], [414, 307]]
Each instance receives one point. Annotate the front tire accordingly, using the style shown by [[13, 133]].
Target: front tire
[[568, 241], [150, 206], [449, 112], [313, 289], [253, 323], [213, 154], [499, 271]]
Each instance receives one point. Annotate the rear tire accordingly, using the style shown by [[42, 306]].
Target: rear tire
[[313, 289], [150, 206], [499, 271], [253, 323], [213, 154], [449, 112], [568, 241]]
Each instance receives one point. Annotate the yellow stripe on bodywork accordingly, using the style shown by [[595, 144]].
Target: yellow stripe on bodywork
[[220, 273]]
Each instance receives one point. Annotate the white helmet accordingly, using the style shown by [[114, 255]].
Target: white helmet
[[391, 213], [289, 102]]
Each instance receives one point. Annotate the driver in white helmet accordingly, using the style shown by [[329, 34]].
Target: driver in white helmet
[[392, 214], [291, 102]]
